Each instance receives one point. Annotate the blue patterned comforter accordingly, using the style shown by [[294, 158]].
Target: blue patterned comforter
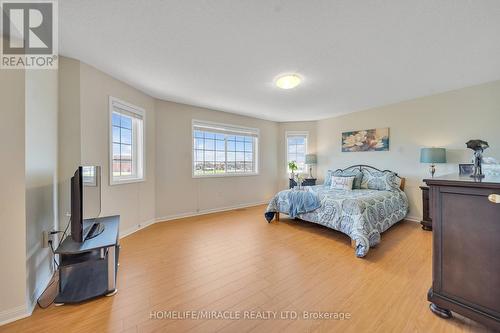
[[361, 214]]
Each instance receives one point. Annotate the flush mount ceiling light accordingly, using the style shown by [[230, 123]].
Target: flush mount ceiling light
[[288, 81]]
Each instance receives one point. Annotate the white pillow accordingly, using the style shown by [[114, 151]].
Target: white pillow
[[342, 183]]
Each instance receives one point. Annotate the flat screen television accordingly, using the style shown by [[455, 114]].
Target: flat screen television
[[81, 229]]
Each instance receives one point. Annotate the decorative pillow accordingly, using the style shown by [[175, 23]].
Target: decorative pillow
[[342, 183], [380, 180], [357, 174], [328, 178]]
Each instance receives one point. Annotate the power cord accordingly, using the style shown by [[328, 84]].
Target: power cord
[[56, 264]]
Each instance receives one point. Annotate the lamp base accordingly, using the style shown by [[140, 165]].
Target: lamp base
[[432, 170]]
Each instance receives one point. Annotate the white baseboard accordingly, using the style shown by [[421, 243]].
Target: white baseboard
[[141, 226], [10, 315], [208, 211], [137, 227], [413, 218]]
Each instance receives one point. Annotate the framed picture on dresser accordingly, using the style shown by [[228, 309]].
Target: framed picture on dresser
[[465, 169]]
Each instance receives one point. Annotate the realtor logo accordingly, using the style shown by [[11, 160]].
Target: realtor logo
[[29, 34]]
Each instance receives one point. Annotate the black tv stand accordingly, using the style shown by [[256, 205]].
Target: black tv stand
[[95, 230], [89, 269]]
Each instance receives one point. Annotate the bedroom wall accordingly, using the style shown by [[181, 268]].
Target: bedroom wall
[[41, 175], [12, 196], [69, 133], [84, 140], [299, 126], [135, 202], [443, 120], [178, 193]]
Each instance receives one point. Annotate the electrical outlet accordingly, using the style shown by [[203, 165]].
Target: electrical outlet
[[45, 239]]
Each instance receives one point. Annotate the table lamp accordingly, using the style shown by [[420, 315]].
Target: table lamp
[[311, 160], [433, 156]]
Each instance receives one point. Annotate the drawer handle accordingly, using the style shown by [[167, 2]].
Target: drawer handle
[[495, 198]]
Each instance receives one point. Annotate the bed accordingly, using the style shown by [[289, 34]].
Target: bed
[[363, 213]]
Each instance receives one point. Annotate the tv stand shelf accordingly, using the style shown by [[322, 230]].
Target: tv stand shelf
[[88, 269]]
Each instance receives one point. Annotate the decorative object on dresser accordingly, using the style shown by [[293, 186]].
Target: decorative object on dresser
[[478, 146], [305, 182], [310, 161], [426, 217], [465, 215], [433, 156], [465, 169], [376, 139]]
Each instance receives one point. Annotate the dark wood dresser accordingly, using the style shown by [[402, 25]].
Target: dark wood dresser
[[426, 214], [466, 248]]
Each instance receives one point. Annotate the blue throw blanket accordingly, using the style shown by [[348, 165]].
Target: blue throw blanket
[[299, 202]]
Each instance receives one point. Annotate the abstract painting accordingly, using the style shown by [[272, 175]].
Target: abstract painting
[[366, 140]]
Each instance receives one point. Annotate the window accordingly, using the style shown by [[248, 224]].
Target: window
[[126, 142], [224, 150], [296, 145]]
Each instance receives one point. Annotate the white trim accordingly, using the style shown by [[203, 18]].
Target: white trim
[[413, 218], [209, 211], [229, 127], [148, 223], [132, 109], [137, 227], [298, 133], [126, 106], [238, 130], [10, 315]]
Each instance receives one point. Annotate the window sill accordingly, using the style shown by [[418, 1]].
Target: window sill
[[127, 181], [226, 175]]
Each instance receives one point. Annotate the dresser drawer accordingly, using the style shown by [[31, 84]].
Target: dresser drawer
[[467, 239]]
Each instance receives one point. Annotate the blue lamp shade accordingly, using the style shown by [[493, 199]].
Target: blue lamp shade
[[433, 155], [311, 159]]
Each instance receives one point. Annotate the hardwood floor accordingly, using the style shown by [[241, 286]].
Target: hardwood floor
[[235, 261]]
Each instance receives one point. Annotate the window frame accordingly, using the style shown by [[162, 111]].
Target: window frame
[[306, 148], [234, 128], [137, 140]]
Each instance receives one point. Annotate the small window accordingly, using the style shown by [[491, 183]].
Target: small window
[[126, 142], [296, 145], [224, 150]]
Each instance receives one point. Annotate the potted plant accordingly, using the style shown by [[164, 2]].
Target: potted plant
[[293, 167]]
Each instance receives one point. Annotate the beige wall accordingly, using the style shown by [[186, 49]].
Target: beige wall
[[69, 132], [41, 175], [135, 202], [302, 126], [12, 195], [444, 120], [178, 193], [84, 140]]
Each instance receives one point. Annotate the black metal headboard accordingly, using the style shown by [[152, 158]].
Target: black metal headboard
[[360, 167]]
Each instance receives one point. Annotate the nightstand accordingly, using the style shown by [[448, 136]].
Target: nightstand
[[306, 182], [426, 218]]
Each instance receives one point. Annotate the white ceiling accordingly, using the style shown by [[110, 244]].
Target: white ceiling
[[224, 54]]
